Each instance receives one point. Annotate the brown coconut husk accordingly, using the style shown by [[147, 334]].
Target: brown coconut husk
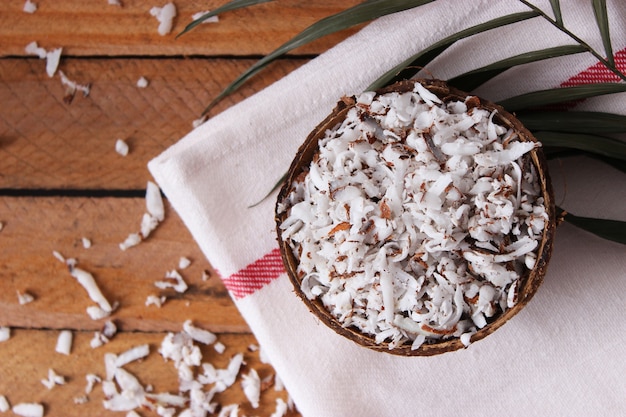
[[528, 284]]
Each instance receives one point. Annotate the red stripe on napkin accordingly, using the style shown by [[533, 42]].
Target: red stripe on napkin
[[256, 275], [598, 73]]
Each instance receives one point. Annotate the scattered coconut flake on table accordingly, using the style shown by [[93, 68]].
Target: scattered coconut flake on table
[[133, 239], [251, 385], [131, 355], [97, 313], [34, 49], [52, 57], [25, 297], [81, 399], [199, 335], [219, 347], [115, 2], [92, 379], [64, 342], [415, 218], [52, 61], [4, 404], [104, 336], [72, 87], [231, 410], [212, 19], [155, 300], [183, 262], [28, 410], [53, 379], [142, 82], [121, 147], [1, 226], [86, 242], [281, 408], [174, 280], [5, 333], [154, 201], [30, 7], [165, 15], [58, 256], [88, 282]]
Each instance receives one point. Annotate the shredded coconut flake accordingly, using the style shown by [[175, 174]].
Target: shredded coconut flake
[[91, 379], [133, 239], [34, 49], [121, 147], [183, 262], [411, 207], [251, 385], [281, 408], [72, 87], [219, 347], [4, 404], [197, 334], [30, 7], [142, 82], [174, 280], [28, 409], [64, 342], [52, 61], [165, 15], [212, 19], [154, 201], [53, 379], [155, 300], [86, 242], [25, 298], [5, 333], [88, 282]]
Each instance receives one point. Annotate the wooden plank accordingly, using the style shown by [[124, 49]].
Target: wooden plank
[[31, 354], [47, 143], [34, 227], [97, 28]]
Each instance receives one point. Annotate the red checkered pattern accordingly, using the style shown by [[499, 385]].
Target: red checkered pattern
[[598, 73], [266, 269], [256, 275]]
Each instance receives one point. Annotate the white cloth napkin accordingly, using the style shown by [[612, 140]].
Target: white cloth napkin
[[564, 354]]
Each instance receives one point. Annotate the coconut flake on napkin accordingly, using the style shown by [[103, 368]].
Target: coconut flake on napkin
[[554, 356]]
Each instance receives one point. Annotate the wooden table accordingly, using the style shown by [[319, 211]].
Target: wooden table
[[61, 180]]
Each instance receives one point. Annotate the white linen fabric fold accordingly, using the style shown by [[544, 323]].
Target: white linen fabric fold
[[562, 355]]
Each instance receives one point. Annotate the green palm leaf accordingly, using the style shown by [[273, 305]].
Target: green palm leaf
[[230, 6], [412, 65], [560, 95], [596, 144], [556, 9], [364, 12], [574, 121], [473, 79], [599, 9], [614, 230]]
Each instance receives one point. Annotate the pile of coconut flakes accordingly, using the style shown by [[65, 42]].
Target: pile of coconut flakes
[[416, 219]]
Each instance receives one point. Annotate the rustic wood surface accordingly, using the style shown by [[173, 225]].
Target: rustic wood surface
[[61, 180]]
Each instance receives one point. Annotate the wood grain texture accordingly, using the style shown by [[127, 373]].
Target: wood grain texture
[[61, 180], [47, 143], [28, 354], [34, 227], [89, 28]]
